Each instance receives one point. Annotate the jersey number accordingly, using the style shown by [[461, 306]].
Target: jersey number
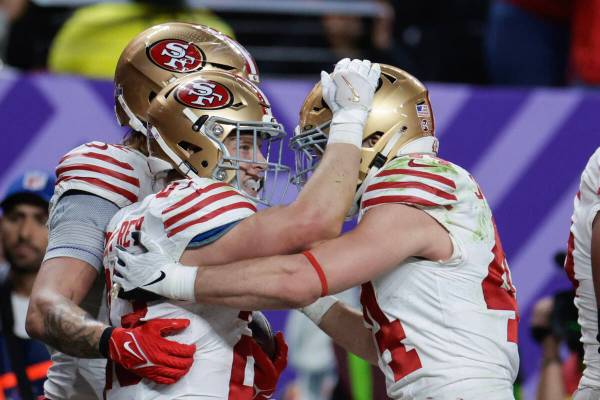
[[389, 337], [498, 290]]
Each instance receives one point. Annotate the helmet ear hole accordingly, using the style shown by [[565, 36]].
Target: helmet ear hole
[[151, 95], [204, 164], [189, 148]]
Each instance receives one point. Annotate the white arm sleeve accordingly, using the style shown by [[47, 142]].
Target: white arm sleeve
[[76, 227]]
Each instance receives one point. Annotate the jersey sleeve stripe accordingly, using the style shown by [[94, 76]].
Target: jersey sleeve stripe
[[101, 157], [193, 196], [100, 183], [198, 206], [422, 174], [211, 215], [411, 185], [101, 170], [399, 199]]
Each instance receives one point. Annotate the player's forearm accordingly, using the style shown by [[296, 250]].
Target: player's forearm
[[346, 327], [273, 282], [329, 192], [63, 325], [54, 315]]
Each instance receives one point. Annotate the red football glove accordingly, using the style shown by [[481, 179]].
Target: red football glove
[[267, 371], [144, 350]]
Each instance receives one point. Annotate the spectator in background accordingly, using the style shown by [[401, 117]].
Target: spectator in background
[[23, 361], [585, 42], [27, 30], [554, 322], [91, 41], [528, 42]]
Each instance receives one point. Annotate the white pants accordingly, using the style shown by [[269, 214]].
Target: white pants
[[587, 393], [75, 378]]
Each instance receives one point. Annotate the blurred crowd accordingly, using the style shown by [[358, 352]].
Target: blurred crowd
[[507, 42]]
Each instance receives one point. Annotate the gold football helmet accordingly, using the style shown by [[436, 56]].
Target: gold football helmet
[[193, 121], [168, 51], [400, 120]]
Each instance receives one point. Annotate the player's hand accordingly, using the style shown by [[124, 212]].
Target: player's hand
[[153, 271], [349, 94], [351, 86], [145, 351], [267, 371]]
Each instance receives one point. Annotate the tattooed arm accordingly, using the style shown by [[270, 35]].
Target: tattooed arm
[[54, 315]]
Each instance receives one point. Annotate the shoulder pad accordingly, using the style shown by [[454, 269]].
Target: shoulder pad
[[109, 171], [418, 180], [191, 207]]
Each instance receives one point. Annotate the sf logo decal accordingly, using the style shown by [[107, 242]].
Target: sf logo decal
[[204, 94], [176, 55]]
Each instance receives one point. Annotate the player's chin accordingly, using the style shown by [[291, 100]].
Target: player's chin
[[251, 192], [251, 187]]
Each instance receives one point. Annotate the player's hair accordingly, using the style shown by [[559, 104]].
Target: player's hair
[[136, 141]]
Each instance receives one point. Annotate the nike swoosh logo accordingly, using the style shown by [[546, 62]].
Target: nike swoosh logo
[[412, 163], [355, 97], [160, 278], [128, 347]]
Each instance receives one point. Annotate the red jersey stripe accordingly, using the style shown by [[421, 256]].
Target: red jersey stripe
[[201, 204], [101, 170], [105, 185], [422, 174], [570, 261], [211, 215], [411, 185], [193, 196], [398, 199], [101, 157]]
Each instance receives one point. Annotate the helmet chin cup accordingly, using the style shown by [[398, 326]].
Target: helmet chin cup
[[158, 165]]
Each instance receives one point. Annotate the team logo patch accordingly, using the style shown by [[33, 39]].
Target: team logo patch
[[176, 55], [204, 94], [34, 181]]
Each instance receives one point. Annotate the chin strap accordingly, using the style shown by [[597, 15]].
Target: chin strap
[[134, 122]]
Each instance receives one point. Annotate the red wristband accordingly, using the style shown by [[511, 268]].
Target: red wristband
[[315, 264]]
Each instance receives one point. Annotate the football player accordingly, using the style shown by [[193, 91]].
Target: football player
[[192, 123], [94, 181], [439, 313], [583, 268]]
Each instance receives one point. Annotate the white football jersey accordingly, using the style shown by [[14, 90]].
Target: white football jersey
[[443, 330], [120, 175], [111, 171], [223, 366], [579, 267]]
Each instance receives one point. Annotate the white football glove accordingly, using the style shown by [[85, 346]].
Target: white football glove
[[155, 272], [349, 94]]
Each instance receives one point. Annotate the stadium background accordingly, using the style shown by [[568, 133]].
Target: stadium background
[[526, 146]]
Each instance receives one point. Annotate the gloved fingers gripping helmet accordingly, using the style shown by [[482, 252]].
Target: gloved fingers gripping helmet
[[165, 52], [218, 125], [400, 121]]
